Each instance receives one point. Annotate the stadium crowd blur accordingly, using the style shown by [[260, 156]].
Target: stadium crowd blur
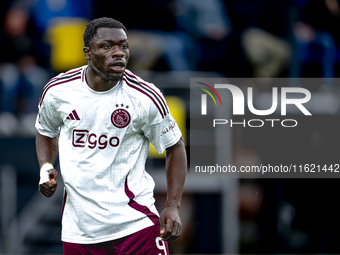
[[235, 38]]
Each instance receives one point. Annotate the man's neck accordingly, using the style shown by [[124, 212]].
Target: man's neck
[[96, 82]]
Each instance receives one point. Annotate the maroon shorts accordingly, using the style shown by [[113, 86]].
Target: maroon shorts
[[144, 242]]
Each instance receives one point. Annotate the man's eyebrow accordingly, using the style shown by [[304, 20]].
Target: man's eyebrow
[[114, 42]]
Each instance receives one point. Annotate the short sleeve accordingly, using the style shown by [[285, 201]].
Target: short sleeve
[[161, 129], [48, 120]]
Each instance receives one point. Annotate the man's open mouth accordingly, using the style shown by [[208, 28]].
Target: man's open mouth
[[118, 66]]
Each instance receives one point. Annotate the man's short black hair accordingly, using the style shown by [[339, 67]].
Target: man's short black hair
[[91, 28]]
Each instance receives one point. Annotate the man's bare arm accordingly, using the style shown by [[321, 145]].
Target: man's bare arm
[[47, 151], [176, 170]]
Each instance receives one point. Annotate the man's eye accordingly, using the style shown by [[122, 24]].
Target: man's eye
[[106, 47], [125, 46]]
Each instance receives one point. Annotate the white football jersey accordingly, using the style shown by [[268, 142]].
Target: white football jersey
[[103, 145]]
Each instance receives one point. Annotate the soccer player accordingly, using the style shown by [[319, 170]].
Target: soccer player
[[100, 118]]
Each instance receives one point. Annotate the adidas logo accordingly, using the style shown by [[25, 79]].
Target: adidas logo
[[73, 116]]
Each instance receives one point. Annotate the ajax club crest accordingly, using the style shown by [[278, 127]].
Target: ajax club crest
[[120, 118]]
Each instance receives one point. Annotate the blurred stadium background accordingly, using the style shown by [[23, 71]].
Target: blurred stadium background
[[172, 41]]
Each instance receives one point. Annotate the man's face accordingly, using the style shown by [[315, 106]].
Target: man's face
[[109, 53]]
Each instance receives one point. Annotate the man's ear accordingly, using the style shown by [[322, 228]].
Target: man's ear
[[87, 53]]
